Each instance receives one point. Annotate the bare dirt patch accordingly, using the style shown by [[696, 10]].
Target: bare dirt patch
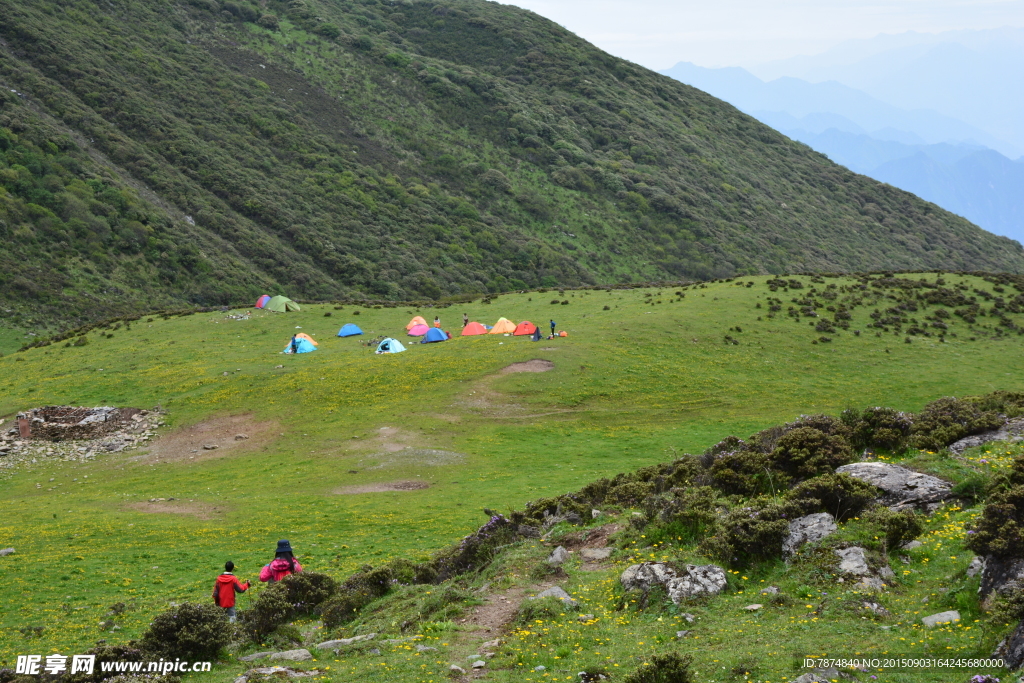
[[179, 507], [228, 434], [427, 457], [382, 487], [591, 538], [535, 365]]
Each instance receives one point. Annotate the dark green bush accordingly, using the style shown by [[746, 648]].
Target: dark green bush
[[744, 473], [693, 511], [840, 495], [949, 419], [1008, 608], [631, 493], [808, 452], [750, 533], [879, 428], [271, 609], [306, 591], [188, 631], [896, 527], [670, 667], [107, 653], [1000, 529]]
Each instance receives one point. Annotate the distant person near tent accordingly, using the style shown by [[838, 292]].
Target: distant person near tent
[[552, 328], [224, 589], [284, 564], [437, 321], [300, 343], [294, 344], [465, 319]]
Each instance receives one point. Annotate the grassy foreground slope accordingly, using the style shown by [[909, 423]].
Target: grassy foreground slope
[[642, 376], [208, 151]]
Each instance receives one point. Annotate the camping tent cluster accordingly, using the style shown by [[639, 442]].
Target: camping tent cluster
[[503, 326], [278, 304]]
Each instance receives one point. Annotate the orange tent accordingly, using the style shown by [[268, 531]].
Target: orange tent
[[418, 320], [503, 326], [472, 329], [303, 335], [563, 333], [525, 328]]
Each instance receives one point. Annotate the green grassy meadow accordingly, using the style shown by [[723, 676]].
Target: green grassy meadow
[[643, 375]]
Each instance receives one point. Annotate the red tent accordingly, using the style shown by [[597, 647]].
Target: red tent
[[472, 329], [525, 328], [262, 301]]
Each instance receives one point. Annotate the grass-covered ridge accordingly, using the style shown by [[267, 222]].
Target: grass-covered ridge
[[644, 376], [210, 151]]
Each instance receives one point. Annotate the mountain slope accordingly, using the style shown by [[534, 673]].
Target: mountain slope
[[402, 150]]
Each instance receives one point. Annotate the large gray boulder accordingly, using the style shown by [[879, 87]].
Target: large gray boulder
[[1001, 576], [646, 575], [595, 554], [808, 529], [902, 489], [941, 619], [852, 561], [699, 580], [1011, 649], [558, 557], [1011, 431], [556, 592], [342, 642], [293, 656]]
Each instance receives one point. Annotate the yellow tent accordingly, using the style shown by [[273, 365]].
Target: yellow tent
[[503, 326], [418, 320]]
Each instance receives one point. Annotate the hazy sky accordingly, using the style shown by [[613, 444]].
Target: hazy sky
[[660, 33]]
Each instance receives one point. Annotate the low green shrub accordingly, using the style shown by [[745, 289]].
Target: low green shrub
[[949, 419], [1008, 608], [751, 533], [307, 591], [807, 452], [670, 667], [106, 653], [840, 495], [999, 531], [271, 609], [879, 428], [539, 608], [188, 631], [896, 527]]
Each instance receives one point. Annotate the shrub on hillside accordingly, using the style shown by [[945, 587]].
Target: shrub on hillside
[[743, 473], [306, 591], [949, 419], [475, 551], [808, 452], [896, 527], [879, 428], [750, 533], [840, 495], [106, 653], [270, 610], [670, 667], [188, 631], [693, 511], [1000, 529]]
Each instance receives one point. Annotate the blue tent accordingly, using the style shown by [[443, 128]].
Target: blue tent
[[301, 346], [435, 334], [349, 330], [390, 345]]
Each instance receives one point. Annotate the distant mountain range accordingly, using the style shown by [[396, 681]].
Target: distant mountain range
[[960, 166]]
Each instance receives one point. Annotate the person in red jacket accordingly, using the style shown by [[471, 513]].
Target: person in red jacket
[[224, 589], [284, 564]]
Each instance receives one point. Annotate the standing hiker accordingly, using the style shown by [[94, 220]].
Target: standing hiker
[[224, 589], [294, 346], [283, 565], [552, 328], [437, 321], [465, 319]]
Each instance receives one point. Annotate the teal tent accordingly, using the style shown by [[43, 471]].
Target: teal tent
[[390, 345], [301, 346]]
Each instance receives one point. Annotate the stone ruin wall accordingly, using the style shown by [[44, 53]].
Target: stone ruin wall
[[66, 423]]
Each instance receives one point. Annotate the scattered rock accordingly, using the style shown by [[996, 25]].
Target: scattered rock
[[811, 677], [254, 656], [594, 514], [456, 669], [808, 529], [425, 648], [585, 617], [870, 583], [689, 618], [770, 590], [875, 608], [277, 672], [902, 489], [1011, 431], [910, 545], [977, 566], [595, 554], [941, 618], [558, 557], [1011, 649], [852, 561], [528, 531], [241, 437], [374, 651], [301, 655], [210, 447], [682, 634], [6, 551], [491, 644], [556, 592], [704, 579], [753, 608], [334, 644], [886, 574], [1001, 576], [646, 575], [479, 664], [540, 667]]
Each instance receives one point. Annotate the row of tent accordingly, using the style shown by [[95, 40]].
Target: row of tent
[[279, 304], [418, 327]]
